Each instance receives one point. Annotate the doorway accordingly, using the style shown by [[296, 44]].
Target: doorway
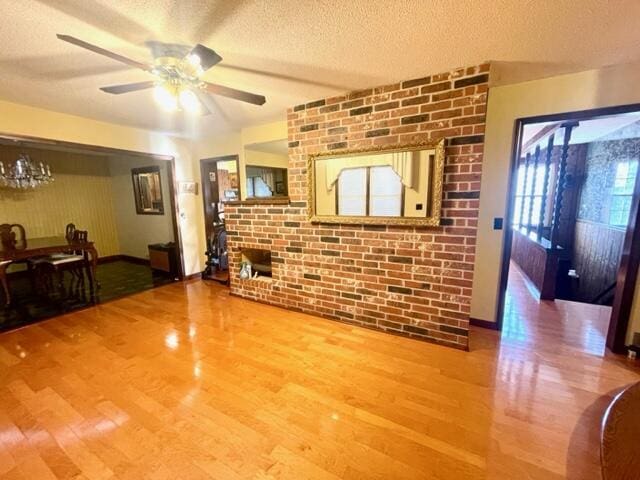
[[122, 203], [570, 262], [220, 184]]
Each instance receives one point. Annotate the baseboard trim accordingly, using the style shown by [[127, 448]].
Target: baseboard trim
[[123, 258], [193, 276], [109, 259], [138, 260], [483, 324]]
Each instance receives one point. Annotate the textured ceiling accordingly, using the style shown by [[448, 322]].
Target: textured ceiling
[[293, 51]]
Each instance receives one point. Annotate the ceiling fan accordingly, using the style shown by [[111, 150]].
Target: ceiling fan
[[178, 71]]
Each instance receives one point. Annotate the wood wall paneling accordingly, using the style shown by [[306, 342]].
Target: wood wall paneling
[[596, 258]]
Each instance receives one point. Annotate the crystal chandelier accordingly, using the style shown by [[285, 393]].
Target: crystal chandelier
[[24, 173]]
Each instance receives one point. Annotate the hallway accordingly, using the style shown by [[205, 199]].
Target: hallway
[[571, 326]]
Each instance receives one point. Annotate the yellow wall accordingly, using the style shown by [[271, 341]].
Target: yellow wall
[[23, 120], [580, 91], [81, 194]]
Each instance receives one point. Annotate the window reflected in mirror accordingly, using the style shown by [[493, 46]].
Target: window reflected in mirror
[[147, 190], [401, 186], [263, 182]]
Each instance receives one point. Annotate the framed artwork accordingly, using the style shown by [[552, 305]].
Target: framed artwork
[[233, 179]]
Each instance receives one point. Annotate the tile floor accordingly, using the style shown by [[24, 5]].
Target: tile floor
[[117, 279]]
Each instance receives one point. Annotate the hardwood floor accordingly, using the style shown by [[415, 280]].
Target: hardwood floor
[[573, 327], [186, 382]]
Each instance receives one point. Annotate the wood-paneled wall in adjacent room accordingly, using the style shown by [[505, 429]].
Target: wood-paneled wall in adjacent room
[[81, 194], [596, 257]]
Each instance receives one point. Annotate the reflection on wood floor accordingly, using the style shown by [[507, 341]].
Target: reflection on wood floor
[[187, 382]]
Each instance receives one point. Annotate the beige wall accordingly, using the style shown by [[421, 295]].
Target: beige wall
[[81, 194], [136, 232], [580, 91], [23, 120]]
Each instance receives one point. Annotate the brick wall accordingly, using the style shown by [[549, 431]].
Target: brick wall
[[405, 280]]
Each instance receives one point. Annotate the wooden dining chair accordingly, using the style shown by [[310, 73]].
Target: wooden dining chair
[[54, 266], [69, 231], [11, 236]]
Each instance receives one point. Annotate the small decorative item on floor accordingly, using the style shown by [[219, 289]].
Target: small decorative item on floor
[[245, 271]]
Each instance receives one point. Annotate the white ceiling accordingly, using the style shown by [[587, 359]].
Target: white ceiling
[[587, 130], [292, 51]]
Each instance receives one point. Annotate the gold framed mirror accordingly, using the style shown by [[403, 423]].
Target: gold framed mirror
[[398, 185]]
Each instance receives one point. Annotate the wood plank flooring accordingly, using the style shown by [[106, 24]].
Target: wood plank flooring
[[186, 382]]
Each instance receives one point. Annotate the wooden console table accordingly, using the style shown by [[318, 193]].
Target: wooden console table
[[36, 247]]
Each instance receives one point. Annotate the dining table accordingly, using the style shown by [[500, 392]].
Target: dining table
[[29, 248]]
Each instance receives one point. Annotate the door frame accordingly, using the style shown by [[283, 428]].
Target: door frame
[[205, 192], [630, 259]]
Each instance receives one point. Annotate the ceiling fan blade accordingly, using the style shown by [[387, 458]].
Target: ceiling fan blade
[[208, 58], [102, 51], [128, 87], [233, 93]]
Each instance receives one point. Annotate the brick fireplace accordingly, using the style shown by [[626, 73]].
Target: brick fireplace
[[412, 281]]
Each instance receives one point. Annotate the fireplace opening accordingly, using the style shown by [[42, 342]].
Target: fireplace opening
[[258, 262]]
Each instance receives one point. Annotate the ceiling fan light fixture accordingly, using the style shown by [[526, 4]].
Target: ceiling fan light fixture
[[194, 59], [189, 101], [165, 97]]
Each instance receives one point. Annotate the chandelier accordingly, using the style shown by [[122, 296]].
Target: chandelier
[[24, 173]]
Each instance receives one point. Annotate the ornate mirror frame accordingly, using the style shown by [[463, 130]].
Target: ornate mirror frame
[[434, 200], [135, 177]]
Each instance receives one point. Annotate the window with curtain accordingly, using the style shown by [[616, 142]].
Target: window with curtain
[[352, 192], [374, 191], [525, 194], [622, 192]]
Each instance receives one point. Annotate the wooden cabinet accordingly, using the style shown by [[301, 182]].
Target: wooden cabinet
[[163, 258]]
